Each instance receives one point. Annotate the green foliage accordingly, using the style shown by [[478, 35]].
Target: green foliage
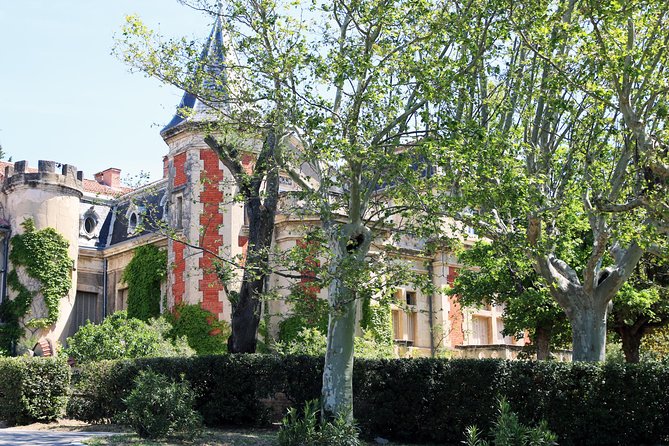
[[368, 346], [656, 343], [312, 342], [308, 342], [503, 275], [159, 407], [44, 256], [582, 403], [33, 389], [307, 429], [205, 334], [308, 312], [507, 430], [144, 274], [377, 321], [119, 337]]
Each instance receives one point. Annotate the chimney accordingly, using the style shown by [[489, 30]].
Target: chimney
[[109, 177]]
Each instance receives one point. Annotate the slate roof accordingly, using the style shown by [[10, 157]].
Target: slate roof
[[213, 61]]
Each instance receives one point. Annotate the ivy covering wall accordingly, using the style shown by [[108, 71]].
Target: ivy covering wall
[[43, 256], [144, 274]]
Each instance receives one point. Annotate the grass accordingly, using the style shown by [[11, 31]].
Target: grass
[[210, 437]]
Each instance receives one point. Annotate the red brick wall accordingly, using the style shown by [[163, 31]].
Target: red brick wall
[[455, 318], [180, 169], [211, 220], [312, 265]]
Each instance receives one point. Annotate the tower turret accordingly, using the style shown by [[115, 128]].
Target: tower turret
[[49, 196]]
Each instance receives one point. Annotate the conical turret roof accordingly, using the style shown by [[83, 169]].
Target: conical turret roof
[[212, 62]]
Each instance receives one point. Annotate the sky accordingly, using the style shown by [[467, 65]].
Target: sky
[[64, 97]]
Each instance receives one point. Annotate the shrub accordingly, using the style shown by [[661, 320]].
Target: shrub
[[228, 388], [159, 407], [306, 429], [33, 389], [120, 337], [414, 400], [507, 430], [307, 342], [312, 342], [205, 334]]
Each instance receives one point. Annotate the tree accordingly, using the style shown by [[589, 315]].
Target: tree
[[348, 107], [504, 276], [560, 133], [231, 131], [641, 306]]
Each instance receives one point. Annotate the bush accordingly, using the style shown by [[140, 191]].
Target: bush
[[33, 389], [205, 334], [228, 388], [413, 400], [120, 337], [307, 429], [507, 430], [159, 407], [312, 342]]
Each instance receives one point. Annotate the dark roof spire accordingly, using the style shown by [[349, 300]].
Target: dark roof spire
[[212, 62]]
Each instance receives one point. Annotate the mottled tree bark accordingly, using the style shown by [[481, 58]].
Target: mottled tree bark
[[261, 209]]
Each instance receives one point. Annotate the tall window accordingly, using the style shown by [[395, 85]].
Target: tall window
[[404, 326], [179, 212]]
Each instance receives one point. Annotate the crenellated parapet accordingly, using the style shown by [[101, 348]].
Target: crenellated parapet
[[49, 174]]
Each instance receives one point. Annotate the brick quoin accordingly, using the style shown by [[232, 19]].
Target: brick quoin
[[179, 285], [455, 317], [180, 169], [211, 220], [307, 282]]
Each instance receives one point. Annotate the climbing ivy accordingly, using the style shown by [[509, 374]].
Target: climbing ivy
[[376, 319], [144, 273], [204, 332], [44, 256]]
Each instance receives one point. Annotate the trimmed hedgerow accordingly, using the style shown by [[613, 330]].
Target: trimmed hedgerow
[[416, 400], [33, 389]]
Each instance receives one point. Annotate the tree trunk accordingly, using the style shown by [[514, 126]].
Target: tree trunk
[[261, 213], [246, 308], [543, 342], [350, 249], [588, 324], [631, 340]]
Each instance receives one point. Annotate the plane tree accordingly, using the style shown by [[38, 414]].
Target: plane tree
[[502, 275], [348, 87], [561, 133]]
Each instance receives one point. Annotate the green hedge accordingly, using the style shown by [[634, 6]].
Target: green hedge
[[415, 400], [33, 389]]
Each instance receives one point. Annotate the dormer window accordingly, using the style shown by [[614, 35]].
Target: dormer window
[[132, 223], [134, 217], [89, 224]]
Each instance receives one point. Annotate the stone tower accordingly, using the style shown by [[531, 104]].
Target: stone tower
[[201, 212], [51, 198]]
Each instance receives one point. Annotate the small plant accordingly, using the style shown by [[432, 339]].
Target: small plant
[[309, 430], [507, 430], [159, 407]]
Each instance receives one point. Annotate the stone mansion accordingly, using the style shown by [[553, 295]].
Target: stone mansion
[[103, 222]]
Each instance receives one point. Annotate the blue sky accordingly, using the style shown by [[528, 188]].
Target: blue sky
[[64, 97]]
